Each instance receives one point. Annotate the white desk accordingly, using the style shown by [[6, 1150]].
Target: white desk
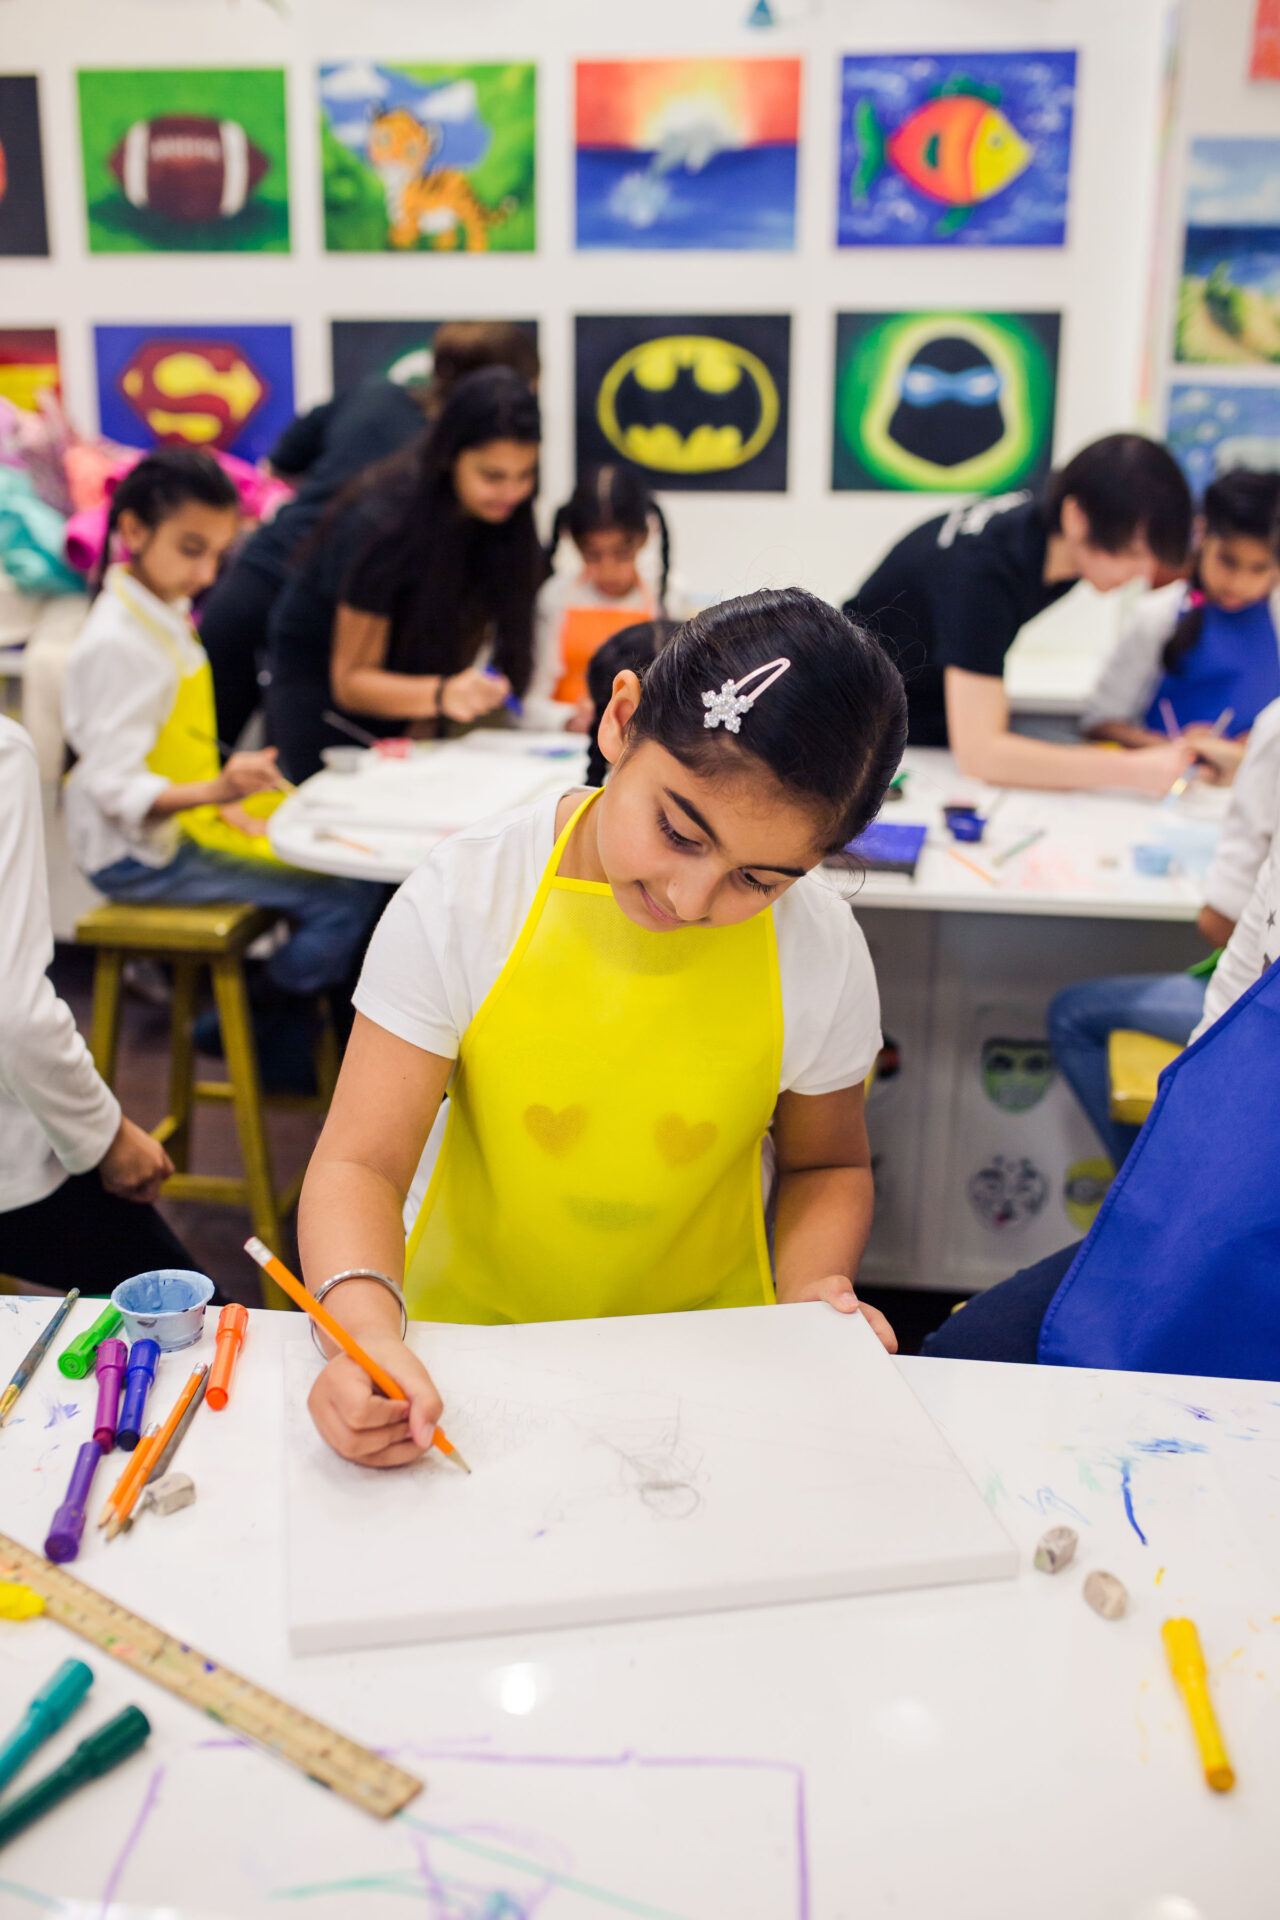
[[985, 1753]]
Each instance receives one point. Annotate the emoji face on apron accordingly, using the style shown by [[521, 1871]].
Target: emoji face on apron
[[606, 1118], [186, 748]]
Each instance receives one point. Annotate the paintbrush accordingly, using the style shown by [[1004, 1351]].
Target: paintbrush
[[31, 1360], [365, 738], [1183, 780], [212, 740]]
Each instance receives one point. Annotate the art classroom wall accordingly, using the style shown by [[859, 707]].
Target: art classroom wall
[[726, 541], [1215, 331]]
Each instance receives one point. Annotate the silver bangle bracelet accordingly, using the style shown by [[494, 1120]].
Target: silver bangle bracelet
[[359, 1273]]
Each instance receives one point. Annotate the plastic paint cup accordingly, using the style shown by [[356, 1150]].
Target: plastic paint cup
[[964, 823], [344, 759], [1154, 861], [166, 1305]]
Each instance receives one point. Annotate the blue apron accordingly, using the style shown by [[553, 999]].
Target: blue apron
[[1181, 1270]]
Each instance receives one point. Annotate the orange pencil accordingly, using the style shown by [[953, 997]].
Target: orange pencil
[[973, 867], [336, 1331], [123, 1499], [144, 1451]]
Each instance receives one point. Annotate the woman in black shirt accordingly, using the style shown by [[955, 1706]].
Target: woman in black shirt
[[425, 563]]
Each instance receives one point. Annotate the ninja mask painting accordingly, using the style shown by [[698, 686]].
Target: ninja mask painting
[[955, 149], [943, 402], [689, 401], [227, 387]]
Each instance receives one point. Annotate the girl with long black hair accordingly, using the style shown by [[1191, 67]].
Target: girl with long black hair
[[414, 603]]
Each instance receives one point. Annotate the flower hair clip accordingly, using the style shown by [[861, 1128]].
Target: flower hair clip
[[727, 707]]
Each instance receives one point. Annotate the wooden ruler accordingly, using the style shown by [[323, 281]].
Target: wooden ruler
[[358, 1775]]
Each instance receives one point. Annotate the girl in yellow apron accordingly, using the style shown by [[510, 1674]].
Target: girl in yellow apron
[[608, 518], [152, 815], [628, 994]]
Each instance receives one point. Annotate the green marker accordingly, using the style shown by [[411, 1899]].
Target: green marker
[[52, 1707], [97, 1755], [76, 1361]]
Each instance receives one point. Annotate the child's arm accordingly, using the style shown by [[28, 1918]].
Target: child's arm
[[243, 774], [351, 1215], [825, 1200]]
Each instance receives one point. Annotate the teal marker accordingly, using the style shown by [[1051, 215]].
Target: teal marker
[[97, 1755], [52, 1707]]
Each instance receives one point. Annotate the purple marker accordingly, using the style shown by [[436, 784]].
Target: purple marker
[[63, 1539], [109, 1368], [139, 1374]]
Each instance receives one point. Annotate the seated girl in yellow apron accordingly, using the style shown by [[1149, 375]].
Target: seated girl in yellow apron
[[624, 992], [152, 814]]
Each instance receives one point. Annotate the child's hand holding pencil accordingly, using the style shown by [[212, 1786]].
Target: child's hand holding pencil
[[359, 1423]]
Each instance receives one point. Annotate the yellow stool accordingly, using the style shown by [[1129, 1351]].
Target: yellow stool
[[188, 938], [1135, 1062]]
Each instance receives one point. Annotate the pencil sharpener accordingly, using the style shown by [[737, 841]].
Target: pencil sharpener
[[964, 823], [166, 1305]]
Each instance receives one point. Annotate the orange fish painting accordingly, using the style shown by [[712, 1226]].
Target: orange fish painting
[[932, 151]]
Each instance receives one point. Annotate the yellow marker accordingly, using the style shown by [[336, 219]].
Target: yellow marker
[[18, 1602], [1186, 1663]]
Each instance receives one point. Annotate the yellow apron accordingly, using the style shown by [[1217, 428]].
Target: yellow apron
[[606, 1117], [186, 748]]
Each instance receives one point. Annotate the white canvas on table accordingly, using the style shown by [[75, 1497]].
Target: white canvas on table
[[624, 1468]]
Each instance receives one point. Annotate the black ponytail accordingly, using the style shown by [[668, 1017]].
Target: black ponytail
[[831, 729], [608, 499], [162, 483], [1242, 503]]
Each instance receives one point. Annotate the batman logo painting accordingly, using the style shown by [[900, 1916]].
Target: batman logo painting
[[687, 402]]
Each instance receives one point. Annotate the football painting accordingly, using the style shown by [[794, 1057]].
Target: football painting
[[23, 227], [225, 387], [185, 161], [688, 401], [427, 159]]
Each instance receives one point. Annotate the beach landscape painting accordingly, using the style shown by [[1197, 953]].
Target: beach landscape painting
[[1229, 299]]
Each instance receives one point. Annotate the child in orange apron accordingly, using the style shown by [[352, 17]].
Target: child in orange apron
[[152, 814], [609, 518], [638, 998]]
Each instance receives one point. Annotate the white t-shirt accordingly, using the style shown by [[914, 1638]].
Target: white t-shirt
[[556, 596], [1252, 948], [445, 937], [1252, 818]]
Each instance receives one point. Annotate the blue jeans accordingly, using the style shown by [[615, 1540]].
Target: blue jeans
[[331, 918], [1004, 1322], [1169, 1005]]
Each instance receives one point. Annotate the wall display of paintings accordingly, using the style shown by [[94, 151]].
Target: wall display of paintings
[[28, 365], [958, 149], [428, 158], [185, 161], [23, 225], [1229, 299], [944, 402], [687, 153], [690, 401], [1213, 428], [226, 387], [398, 349]]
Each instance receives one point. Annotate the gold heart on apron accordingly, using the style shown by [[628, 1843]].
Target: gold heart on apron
[[679, 1143], [556, 1133]]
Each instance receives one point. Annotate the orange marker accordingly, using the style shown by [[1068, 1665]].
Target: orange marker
[[336, 1331], [233, 1323]]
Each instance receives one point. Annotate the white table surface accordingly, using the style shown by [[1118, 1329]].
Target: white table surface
[[1082, 867], [989, 1752]]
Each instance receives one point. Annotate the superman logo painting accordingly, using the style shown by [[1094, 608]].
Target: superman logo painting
[[227, 388]]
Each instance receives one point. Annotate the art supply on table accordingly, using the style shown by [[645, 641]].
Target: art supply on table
[[1019, 846], [18, 1602], [1153, 861], [233, 1323], [1170, 719], [1056, 1550], [964, 822], [166, 1305], [52, 1707], [336, 1331], [159, 1451], [1183, 780], [362, 734], [1187, 1665], [76, 1359], [1106, 1594], [344, 840], [139, 1375], [168, 1494], [887, 846], [31, 1360], [362, 1777], [174, 1430], [117, 1741], [972, 865], [343, 759], [109, 1367], [62, 1542], [131, 1479]]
